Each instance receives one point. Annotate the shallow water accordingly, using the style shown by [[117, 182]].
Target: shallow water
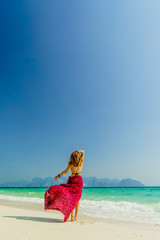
[[134, 204]]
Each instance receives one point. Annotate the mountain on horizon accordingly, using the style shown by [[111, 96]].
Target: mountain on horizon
[[87, 182]]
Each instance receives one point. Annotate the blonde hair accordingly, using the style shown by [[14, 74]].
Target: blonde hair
[[75, 159]]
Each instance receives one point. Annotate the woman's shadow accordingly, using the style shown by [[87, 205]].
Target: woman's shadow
[[36, 219]]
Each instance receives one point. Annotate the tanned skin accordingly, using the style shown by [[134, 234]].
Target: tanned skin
[[72, 168]]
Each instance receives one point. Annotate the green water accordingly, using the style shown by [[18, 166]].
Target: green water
[[139, 195], [133, 204]]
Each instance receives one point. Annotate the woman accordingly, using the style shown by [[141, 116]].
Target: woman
[[66, 197]]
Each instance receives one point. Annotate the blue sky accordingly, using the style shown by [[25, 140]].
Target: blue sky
[[80, 75]]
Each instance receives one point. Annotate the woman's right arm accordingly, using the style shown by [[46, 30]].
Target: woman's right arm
[[82, 152]]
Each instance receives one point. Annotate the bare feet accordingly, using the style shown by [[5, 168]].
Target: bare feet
[[75, 218]]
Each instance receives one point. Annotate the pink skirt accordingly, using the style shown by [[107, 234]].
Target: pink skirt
[[64, 197]]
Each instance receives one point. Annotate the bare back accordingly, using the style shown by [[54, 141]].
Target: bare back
[[77, 170]]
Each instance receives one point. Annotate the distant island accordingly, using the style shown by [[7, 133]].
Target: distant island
[[87, 181]]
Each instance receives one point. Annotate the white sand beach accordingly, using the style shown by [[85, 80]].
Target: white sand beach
[[28, 221]]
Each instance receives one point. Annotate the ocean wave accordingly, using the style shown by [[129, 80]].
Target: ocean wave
[[122, 210], [132, 211], [22, 199]]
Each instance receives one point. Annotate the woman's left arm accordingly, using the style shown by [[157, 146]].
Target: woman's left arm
[[63, 173]]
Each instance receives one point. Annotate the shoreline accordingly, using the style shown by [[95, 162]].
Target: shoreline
[[30, 221], [82, 217]]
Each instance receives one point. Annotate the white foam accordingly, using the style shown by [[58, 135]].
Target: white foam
[[131, 211], [122, 210], [22, 199]]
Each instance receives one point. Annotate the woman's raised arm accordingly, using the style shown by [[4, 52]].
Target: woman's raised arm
[[82, 152]]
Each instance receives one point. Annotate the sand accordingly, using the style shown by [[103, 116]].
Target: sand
[[28, 221]]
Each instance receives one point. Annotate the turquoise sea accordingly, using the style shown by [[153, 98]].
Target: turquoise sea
[[132, 204]]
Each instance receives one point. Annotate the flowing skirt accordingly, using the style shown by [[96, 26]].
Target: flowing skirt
[[64, 197]]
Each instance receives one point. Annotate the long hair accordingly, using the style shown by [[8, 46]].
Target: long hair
[[75, 159]]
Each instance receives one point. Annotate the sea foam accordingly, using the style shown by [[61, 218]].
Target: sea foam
[[131, 211], [122, 210], [22, 199]]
